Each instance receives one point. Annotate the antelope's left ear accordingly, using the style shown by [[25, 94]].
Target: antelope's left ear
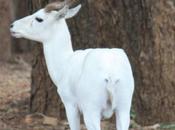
[[72, 12]]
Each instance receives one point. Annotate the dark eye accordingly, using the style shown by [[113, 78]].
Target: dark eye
[[39, 19]]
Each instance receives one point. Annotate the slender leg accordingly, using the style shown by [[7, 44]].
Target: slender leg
[[123, 120], [123, 103], [73, 117], [92, 120], [123, 112]]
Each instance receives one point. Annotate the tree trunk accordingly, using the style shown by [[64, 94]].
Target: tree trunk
[[5, 20], [154, 68], [145, 29], [44, 97]]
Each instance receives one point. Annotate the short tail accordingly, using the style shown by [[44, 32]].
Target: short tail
[[111, 101], [111, 91]]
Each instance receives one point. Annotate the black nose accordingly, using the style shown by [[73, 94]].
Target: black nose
[[11, 26]]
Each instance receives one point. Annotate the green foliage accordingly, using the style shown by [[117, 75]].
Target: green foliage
[[167, 126], [133, 114]]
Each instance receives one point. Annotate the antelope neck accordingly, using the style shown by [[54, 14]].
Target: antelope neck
[[57, 50]]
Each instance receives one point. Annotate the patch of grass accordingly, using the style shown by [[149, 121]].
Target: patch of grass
[[133, 114], [167, 126]]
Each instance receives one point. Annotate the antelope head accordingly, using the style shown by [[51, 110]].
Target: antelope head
[[41, 25]]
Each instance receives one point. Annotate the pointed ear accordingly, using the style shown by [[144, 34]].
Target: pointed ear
[[72, 12], [62, 13]]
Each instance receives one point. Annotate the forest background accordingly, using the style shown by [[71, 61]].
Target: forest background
[[145, 29]]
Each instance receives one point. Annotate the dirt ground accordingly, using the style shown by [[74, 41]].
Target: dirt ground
[[15, 97]]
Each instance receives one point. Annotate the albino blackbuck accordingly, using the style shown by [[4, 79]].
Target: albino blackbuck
[[93, 82]]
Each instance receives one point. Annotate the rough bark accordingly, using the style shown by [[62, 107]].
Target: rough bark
[[44, 97], [155, 100], [145, 29], [5, 19]]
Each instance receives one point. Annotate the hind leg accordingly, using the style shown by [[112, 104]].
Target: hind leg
[[123, 105], [122, 119], [123, 113]]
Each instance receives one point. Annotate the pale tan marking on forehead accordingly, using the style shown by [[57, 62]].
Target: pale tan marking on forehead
[[54, 6]]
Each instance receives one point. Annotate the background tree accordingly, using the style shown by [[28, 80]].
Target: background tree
[[145, 29], [44, 97], [21, 10], [5, 20]]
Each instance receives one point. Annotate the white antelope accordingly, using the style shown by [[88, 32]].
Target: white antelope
[[93, 82]]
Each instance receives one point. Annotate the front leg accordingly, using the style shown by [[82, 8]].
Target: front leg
[[73, 116]]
